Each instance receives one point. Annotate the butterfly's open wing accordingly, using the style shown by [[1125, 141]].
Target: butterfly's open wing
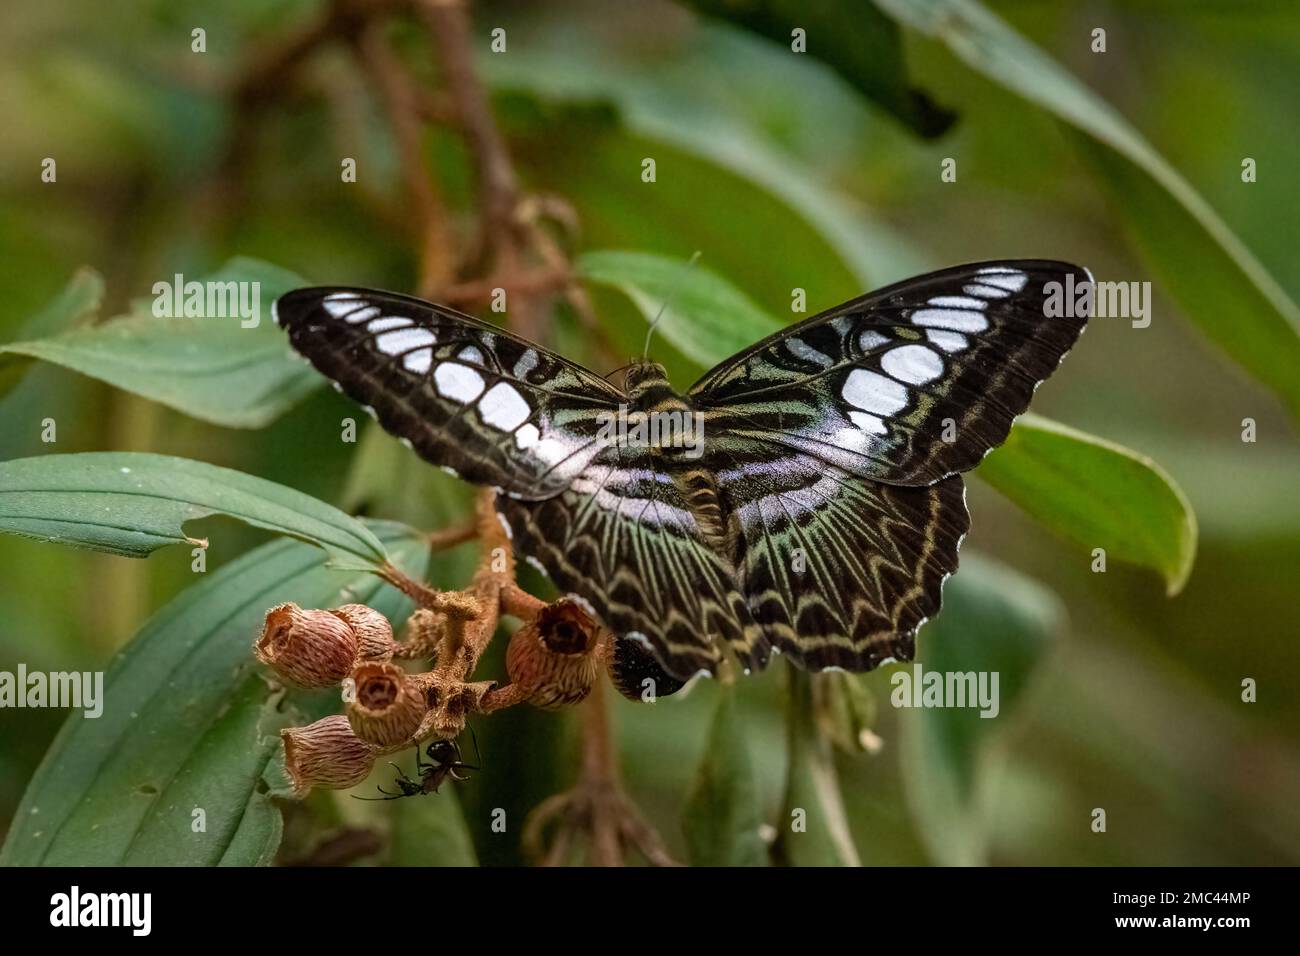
[[907, 385], [466, 395], [837, 446], [622, 538], [839, 570]]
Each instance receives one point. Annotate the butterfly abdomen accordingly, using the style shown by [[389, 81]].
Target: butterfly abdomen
[[677, 430], [700, 492]]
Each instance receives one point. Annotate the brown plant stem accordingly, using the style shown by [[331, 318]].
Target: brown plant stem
[[444, 538], [597, 807], [401, 100], [500, 231]]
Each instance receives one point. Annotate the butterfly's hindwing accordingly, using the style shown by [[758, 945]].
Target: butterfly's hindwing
[[839, 570], [468, 396], [907, 385], [623, 538]]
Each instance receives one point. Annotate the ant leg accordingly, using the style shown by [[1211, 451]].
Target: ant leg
[[478, 757], [420, 765]]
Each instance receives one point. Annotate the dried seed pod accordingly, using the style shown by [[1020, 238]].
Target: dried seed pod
[[307, 648], [374, 633], [554, 655], [388, 704], [326, 754], [637, 675]]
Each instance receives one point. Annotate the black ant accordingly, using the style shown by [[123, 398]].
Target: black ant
[[445, 757]]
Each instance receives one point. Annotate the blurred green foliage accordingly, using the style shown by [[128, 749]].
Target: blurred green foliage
[[787, 171]]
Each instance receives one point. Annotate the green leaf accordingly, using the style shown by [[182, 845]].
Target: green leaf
[[1098, 494], [1217, 281], [813, 829], [857, 41], [212, 368], [431, 832], [704, 316], [132, 504], [1230, 296], [680, 108], [77, 303], [189, 723], [994, 621], [722, 816], [387, 479]]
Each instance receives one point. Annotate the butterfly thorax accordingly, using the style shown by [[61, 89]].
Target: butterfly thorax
[[676, 428]]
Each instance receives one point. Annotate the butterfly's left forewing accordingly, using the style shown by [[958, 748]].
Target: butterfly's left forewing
[[466, 395], [907, 385]]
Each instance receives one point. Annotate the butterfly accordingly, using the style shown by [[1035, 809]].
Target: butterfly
[[805, 497]]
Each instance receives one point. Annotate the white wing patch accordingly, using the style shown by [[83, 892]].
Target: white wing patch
[[458, 382], [782, 504], [958, 320], [802, 350], [873, 392], [1011, 280], [526, 436], [996, 283], [503, 407], [404, 340], [868, 423], [361, 315], [913, 364], [950, 342], [418, 361], [386, 323], [340, 303], [958, 302], [527, 362]]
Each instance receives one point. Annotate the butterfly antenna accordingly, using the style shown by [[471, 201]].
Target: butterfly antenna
[[645, 353]]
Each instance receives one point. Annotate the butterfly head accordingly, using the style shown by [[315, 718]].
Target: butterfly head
[[645, 380]]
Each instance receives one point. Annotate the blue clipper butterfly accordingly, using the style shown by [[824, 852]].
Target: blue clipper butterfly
[[821, 512]]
